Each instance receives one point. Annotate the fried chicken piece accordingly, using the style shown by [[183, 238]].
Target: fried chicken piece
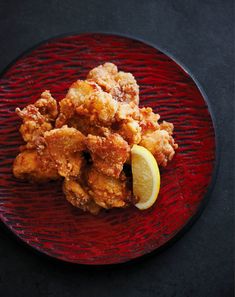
[[100, 108], [37, 118], [78, 196], [161, 144], [86, 103], [47, 106], [129, 129], [127, 111], [84, 125], [77, 94], [34, 167], [100, 115], [65, 146], [80, 90], [108, 153], [157, 138], [108, 192], [121, 85], [34, 124], [167, 126], [127, 122], [148, 120], [67, 111]]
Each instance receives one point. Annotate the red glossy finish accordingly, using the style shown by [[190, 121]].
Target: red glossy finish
[[41, 216]]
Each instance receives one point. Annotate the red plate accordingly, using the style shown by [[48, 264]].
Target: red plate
[[40, 215]]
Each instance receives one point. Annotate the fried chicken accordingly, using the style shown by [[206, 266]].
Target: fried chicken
[[78, 93], [78, 197], [127, 123], [127, 111], [148, 120], [108, 153], [107, 191], [100, 108], [88, 140], [37, 118], [34, 167], [121, 85], [157, 138], [47, 106], [169, 127], [129, 130], [161, 144], [65, 146], [34, 124], [86, 106], [84, 125]]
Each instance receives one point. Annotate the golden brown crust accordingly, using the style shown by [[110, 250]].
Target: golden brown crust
[[107, 191], [65, 146], [121, 85], [34, 167], [88, 140], [78, 93], [78, 197], [47, 106], [37, 118], [108, 153], [34, 124], [161, 144]]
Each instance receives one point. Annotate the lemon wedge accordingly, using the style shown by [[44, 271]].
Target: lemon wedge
[[146, 176]]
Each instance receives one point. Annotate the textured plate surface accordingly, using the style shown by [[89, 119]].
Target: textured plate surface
[[41, 216]]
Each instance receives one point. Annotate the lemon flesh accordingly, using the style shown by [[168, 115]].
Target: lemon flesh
[[146, 176]]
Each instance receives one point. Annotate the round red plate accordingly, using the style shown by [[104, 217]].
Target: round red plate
[[40, 215]]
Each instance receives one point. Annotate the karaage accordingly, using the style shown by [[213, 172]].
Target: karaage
[[78, 93], [108, 153], [65, 146], [37, 118], [107, 191], [121, 85], [78, 196], [157, 138], [87, 138], [34, 167]]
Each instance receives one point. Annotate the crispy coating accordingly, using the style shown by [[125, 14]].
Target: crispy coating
[[148, 120], [37, 118], [65, 146], [86, 103], [127, 111], [108, 153], [80, 90], [127, 123], [107, 191], [161, 144], [34, 167], [47, 106], [78, 93], [34, 124], [157, 138], [88, 140], [169, 127], [130, 130], [84, 125], [78, 196], [100, 108], [121, 85]]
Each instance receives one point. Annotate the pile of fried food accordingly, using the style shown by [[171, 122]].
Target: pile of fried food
[[86, 139]]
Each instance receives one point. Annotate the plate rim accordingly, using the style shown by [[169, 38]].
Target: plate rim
[[206, 197]]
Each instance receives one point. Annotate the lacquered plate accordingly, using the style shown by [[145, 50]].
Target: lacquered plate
[[40, 215]]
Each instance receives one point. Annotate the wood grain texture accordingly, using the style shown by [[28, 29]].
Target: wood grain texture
[[41, 216]]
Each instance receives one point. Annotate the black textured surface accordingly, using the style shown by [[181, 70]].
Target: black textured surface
[[199, 33]]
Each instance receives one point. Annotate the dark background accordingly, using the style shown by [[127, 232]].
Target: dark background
[[199, 33]]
